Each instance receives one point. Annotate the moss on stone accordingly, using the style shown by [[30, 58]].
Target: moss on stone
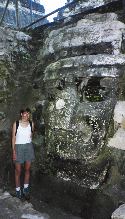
[[3, 70], [103, 157]]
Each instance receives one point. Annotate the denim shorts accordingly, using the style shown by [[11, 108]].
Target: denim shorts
[[24, 152]]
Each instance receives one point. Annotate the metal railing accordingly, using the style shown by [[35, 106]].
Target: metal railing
[[53, 12]]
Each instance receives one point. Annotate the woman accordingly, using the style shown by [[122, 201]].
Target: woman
[[23, 152]]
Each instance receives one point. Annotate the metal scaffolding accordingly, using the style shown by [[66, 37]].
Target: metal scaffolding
[[4, 12], [17, 14], [30, 6]]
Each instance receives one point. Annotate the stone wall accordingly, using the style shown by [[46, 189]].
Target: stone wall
[[81, 71], [15, 88], [81, 64]]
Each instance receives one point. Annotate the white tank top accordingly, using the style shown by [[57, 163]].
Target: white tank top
[[23, 135]]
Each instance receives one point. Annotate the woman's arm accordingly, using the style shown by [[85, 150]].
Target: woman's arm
[[14, 140], [32, 126]]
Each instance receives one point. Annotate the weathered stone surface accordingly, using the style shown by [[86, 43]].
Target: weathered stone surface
[[119, 213], [83, 6], [11, 52], [117, 140], [81, 81], [85, 32], [86, 66], [11, 207]]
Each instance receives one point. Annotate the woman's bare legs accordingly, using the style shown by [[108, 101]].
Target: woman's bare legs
[[17, 174], [27, 172]]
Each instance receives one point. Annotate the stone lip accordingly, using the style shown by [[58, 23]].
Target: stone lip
[[107, 64], [119, 213]]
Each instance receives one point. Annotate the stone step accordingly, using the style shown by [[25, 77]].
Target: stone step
[[12, 207]]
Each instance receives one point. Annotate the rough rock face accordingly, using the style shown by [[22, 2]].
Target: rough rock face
[[15, 81], [81, 82], [82, 66], [24, 9]]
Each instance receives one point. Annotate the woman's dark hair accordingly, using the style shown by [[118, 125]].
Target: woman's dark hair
[[25, 110]]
